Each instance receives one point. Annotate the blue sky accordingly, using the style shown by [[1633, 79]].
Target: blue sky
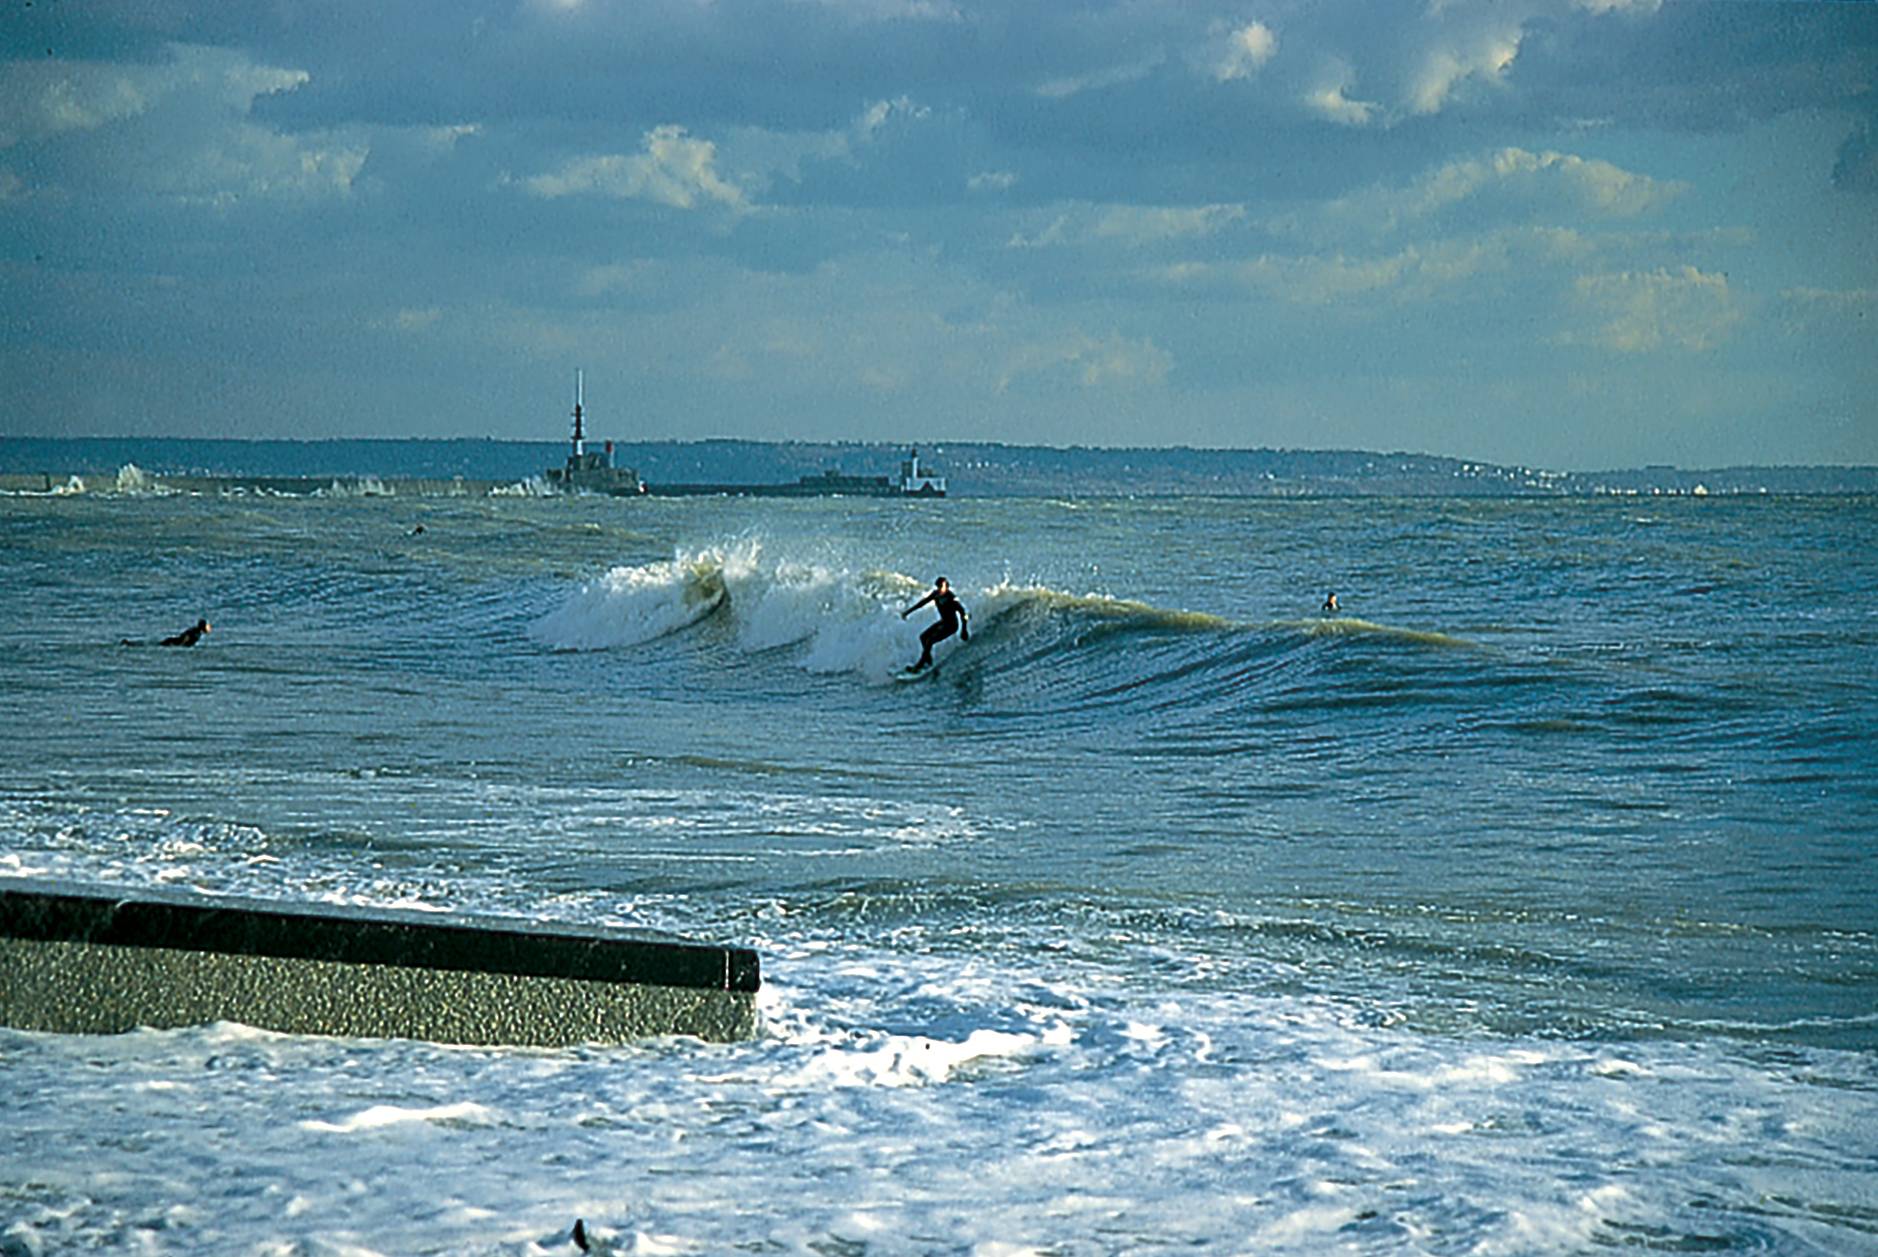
[[1563, 233]]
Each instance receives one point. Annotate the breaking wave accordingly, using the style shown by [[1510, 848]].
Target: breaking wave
[[840, 620]]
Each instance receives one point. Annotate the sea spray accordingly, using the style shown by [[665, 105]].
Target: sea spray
[[631, 605]]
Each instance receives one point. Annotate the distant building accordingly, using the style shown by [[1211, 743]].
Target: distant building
[[916, 480], [588, 472]]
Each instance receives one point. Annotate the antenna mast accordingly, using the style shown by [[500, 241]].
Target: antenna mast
[[580, 440]]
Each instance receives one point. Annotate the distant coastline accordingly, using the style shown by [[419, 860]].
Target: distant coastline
[[976, 469]]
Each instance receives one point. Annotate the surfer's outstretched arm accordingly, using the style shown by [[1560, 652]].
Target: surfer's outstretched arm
[[916, 606]]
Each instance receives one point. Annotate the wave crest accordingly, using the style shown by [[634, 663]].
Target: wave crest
[[842, 620], [630, 605]]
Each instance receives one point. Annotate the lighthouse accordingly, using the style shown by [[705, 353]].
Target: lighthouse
[[591, 473]]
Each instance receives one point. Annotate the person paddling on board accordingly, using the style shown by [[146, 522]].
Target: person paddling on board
[[952, 619], [189, 636], [1330, 604]]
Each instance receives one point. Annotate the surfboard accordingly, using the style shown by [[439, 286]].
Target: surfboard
[[943, 653]]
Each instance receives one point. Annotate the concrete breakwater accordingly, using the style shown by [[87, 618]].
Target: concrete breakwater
[[74, 960], [134, 480]]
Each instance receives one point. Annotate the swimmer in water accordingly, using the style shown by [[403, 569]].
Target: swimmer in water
[[1330, 603], [952, 619], [189, 636]]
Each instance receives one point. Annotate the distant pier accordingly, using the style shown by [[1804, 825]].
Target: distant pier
[[265, 486], [914, 481]]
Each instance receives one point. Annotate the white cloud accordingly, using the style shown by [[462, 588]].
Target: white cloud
[[1415, 273], [877, 116], [893, 10], [444, 139], [1331, 99], [1144, 224], [1639, 312], [1509, 182], [1596, 186], [178, 129], [1087, 362], [40, 100], [673, 169], [1325, 280], [1417, 60], [1131, 225], [256, 162], [1065, 86], [1245, 50], [761, 155], [992, 181], [1486, 58]]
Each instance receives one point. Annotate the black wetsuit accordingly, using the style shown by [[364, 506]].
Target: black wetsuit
[[189, 636], [951, 612]]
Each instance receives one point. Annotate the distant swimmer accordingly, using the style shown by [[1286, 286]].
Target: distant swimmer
[[952, 619], [189, 636], [1330, 603]]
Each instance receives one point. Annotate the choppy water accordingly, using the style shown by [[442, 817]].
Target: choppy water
[[1527, 906]]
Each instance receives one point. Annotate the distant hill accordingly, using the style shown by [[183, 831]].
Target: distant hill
[[982, 469]]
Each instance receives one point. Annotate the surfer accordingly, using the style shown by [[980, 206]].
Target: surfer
[[1330, 603], [189, 636], [952, 619]]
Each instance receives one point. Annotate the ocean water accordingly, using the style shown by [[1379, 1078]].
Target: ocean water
[[1525, 906]]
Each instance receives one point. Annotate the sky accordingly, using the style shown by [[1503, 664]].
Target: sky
[[1571, 234]]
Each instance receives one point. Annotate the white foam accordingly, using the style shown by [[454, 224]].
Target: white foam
[[363, 487], [845, 621], [903, 1060], [533, 487], [379, 1116], [631, 605], [1006, 1110], [132, 479]]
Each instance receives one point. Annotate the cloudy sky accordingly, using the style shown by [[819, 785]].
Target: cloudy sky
[[1566, 233]]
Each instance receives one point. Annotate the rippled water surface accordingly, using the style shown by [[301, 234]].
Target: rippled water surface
[[1524, 905]]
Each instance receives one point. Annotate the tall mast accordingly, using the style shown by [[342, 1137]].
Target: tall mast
[[580, 440]]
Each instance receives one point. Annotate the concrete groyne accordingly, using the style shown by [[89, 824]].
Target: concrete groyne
[[77, 960]]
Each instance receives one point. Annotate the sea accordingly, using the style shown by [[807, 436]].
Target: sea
[[1528, 903]]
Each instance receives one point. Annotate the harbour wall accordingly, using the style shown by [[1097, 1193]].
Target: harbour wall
[[420, 487], [808, 489], [278, 486]]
